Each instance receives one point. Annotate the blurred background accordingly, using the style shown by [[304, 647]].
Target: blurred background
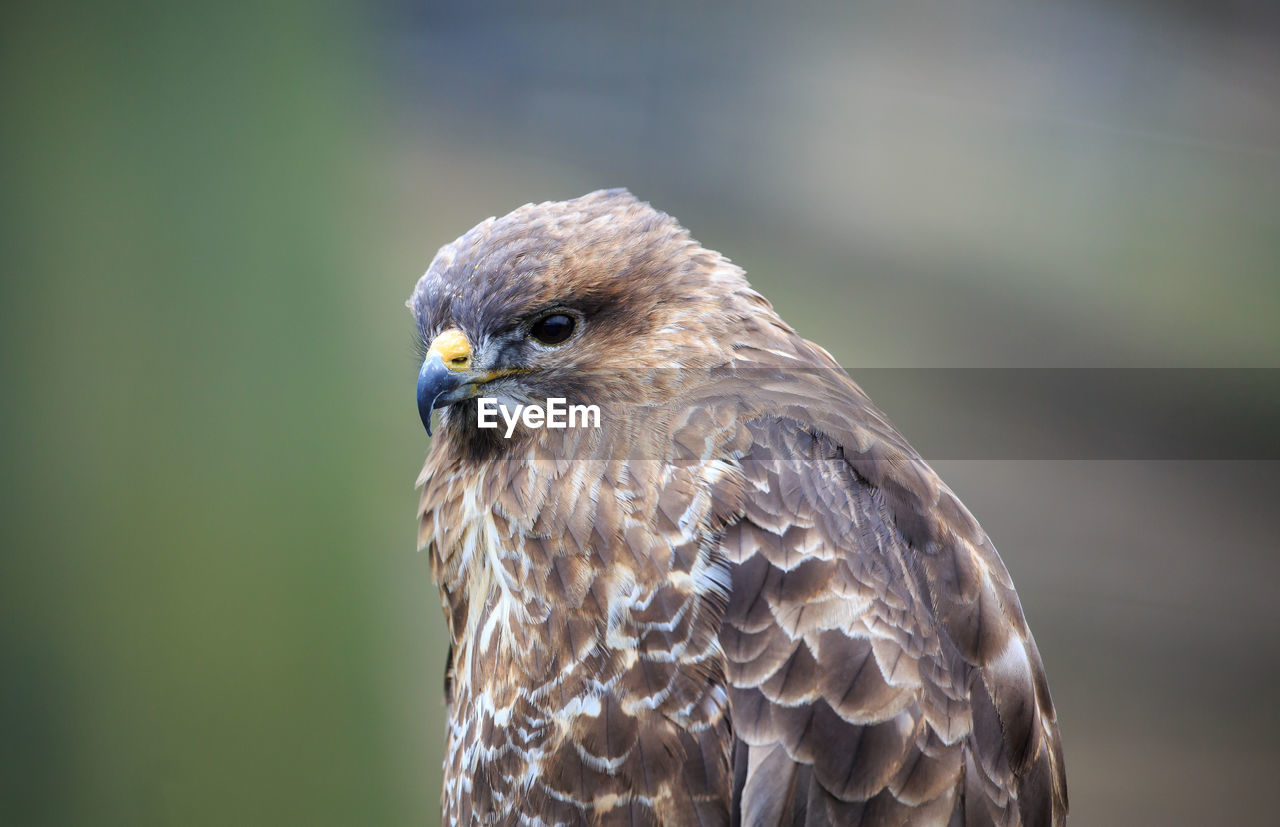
[[211, 215]]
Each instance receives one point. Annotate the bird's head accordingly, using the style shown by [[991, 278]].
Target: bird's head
[[590, 300]]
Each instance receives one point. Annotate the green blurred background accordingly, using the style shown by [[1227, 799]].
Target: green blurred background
[[212, 609]]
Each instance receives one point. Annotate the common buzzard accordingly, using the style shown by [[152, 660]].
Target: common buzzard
[[739, 597]]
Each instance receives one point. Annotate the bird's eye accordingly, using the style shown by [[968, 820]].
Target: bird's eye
[[554, 329]]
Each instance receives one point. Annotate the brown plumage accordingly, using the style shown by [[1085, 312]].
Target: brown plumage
[[743, 599]]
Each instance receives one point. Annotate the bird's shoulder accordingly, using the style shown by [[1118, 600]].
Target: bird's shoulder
[[878, 661]]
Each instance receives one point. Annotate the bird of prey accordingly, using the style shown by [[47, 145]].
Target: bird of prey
[[739, 597]]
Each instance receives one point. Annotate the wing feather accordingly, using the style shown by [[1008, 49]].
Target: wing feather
[[879, 667]]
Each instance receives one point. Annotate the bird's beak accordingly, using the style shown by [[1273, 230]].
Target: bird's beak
[[445, 370]]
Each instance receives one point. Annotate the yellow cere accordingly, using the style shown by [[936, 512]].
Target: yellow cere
[[453, 348]]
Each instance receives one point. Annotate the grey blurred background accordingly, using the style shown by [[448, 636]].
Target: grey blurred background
[[211, 214]]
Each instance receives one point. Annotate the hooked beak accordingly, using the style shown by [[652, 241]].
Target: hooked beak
[[435, 382], [444, 372]]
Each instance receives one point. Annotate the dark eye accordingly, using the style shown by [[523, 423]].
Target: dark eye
[[553, 329]]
